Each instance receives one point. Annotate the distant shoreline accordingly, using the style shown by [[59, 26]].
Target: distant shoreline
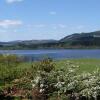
[[7, 48]]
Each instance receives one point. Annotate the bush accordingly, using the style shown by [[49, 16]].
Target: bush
[[42, 81]]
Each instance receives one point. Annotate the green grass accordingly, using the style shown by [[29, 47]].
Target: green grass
[[85, 65]]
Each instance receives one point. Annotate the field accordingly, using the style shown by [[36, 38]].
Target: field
[[17, 77], [85, 65]]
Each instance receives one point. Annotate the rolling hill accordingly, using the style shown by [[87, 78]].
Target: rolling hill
[[83, 39], [76, 40]]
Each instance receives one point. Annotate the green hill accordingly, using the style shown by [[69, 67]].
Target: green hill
[[76, 40], [83, 39]]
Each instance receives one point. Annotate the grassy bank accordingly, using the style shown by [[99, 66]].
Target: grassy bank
[[85, 65]]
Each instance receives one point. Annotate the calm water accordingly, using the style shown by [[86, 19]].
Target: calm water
[[55, 54]]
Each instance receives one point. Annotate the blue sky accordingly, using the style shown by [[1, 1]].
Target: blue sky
[[47, 19]]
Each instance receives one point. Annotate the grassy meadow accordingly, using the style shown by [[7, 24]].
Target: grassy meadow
[[85, 65]]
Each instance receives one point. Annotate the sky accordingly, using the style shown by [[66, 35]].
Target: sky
[[47, 19]]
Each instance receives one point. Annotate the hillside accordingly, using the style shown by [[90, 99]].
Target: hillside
[[76, 40], [78, 36], [83, 39]]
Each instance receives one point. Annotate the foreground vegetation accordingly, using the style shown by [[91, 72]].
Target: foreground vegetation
[[72, 79]]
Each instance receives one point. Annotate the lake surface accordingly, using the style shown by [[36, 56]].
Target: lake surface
[[55, 54]]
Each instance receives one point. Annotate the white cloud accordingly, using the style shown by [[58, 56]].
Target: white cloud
[[12, 1], [80, 27], [55, 27], [36, 25], [52, 13], [62, 25], [59, 26], [39, 25], [8, 23]]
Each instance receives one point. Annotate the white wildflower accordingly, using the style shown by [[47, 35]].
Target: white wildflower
[[42, 90], [95, 94], [37, 80], [41, 85], [62, 83], [33, 85], [71, 70], [31, 81], [59, 84]]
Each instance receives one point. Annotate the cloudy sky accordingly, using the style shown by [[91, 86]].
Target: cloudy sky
[[47, 19]]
